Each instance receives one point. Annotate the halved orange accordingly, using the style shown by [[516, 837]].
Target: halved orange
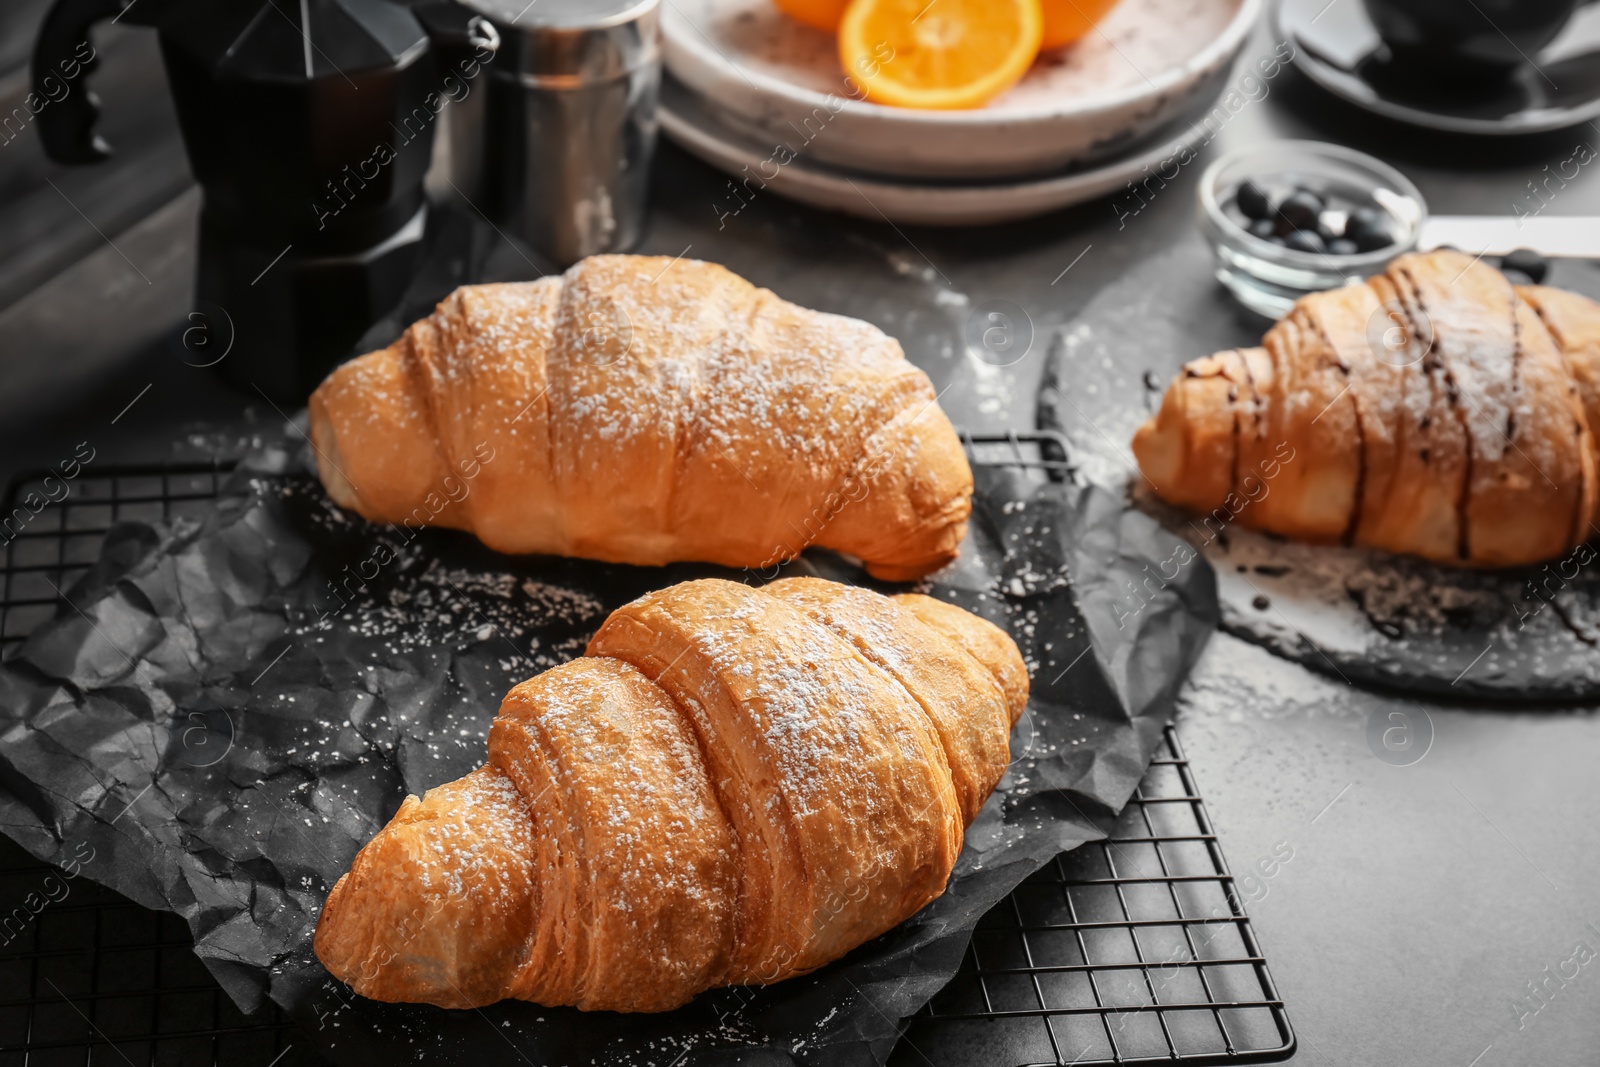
[[939, 53], [823, 14], [1066, 21]]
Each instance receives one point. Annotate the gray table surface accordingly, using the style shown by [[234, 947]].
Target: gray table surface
[[1420, 902]]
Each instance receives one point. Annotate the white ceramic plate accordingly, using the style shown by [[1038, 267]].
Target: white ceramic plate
[[765, 75], [762, 169]]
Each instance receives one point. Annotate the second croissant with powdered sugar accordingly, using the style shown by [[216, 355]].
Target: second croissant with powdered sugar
[[732, 786], [645, 410]]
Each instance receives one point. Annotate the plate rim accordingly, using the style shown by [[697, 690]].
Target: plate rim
[[1216, 52], [726, 143]]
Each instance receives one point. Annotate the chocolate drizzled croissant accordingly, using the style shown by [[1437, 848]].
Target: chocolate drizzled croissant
[[1436, 410]]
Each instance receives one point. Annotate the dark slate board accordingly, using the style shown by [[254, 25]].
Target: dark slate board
[[226, 734], [1530, 634]]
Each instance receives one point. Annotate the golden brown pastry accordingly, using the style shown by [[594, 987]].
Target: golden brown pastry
[[733, 786], [1435, 410], [642, 410]]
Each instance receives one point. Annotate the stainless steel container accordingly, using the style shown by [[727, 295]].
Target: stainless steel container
[[555, 143]]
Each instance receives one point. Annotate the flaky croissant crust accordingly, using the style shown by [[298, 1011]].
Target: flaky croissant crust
[[648, 410], [733, 786], [1435, 410]]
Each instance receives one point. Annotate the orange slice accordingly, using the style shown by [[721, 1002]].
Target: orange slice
[[823, 14], [939, 53], [1066, 21]]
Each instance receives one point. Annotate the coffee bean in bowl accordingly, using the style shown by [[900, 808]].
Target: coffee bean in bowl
[[1297, 217]]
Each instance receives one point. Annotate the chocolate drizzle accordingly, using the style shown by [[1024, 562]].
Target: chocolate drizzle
[[1433, 362], [1579, 430], [1566, 620], [1233, 402], [1359, 499], [1235, 397], [1516, 368], [1258, 403]]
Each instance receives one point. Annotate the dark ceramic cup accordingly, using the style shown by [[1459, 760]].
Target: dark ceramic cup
[[1453, 37]]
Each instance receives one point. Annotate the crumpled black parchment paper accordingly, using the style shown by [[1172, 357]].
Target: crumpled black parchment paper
[[228, 708]]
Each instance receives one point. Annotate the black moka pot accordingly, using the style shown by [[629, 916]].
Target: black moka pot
[[309, 128]]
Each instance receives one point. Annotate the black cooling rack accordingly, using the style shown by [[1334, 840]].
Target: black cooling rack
[[92, 978], [87, 977], [1131, 950]]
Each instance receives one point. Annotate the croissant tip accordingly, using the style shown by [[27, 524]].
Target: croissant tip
[[1158, 449], [325, 450]]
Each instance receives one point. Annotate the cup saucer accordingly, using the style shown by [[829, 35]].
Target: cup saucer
[[1339, 50]]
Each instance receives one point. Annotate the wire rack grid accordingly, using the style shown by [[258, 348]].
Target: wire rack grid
[[1131, 950], [87, 977], [1134, 949]]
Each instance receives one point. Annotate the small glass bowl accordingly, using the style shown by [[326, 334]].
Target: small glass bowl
[[1268, 278]]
